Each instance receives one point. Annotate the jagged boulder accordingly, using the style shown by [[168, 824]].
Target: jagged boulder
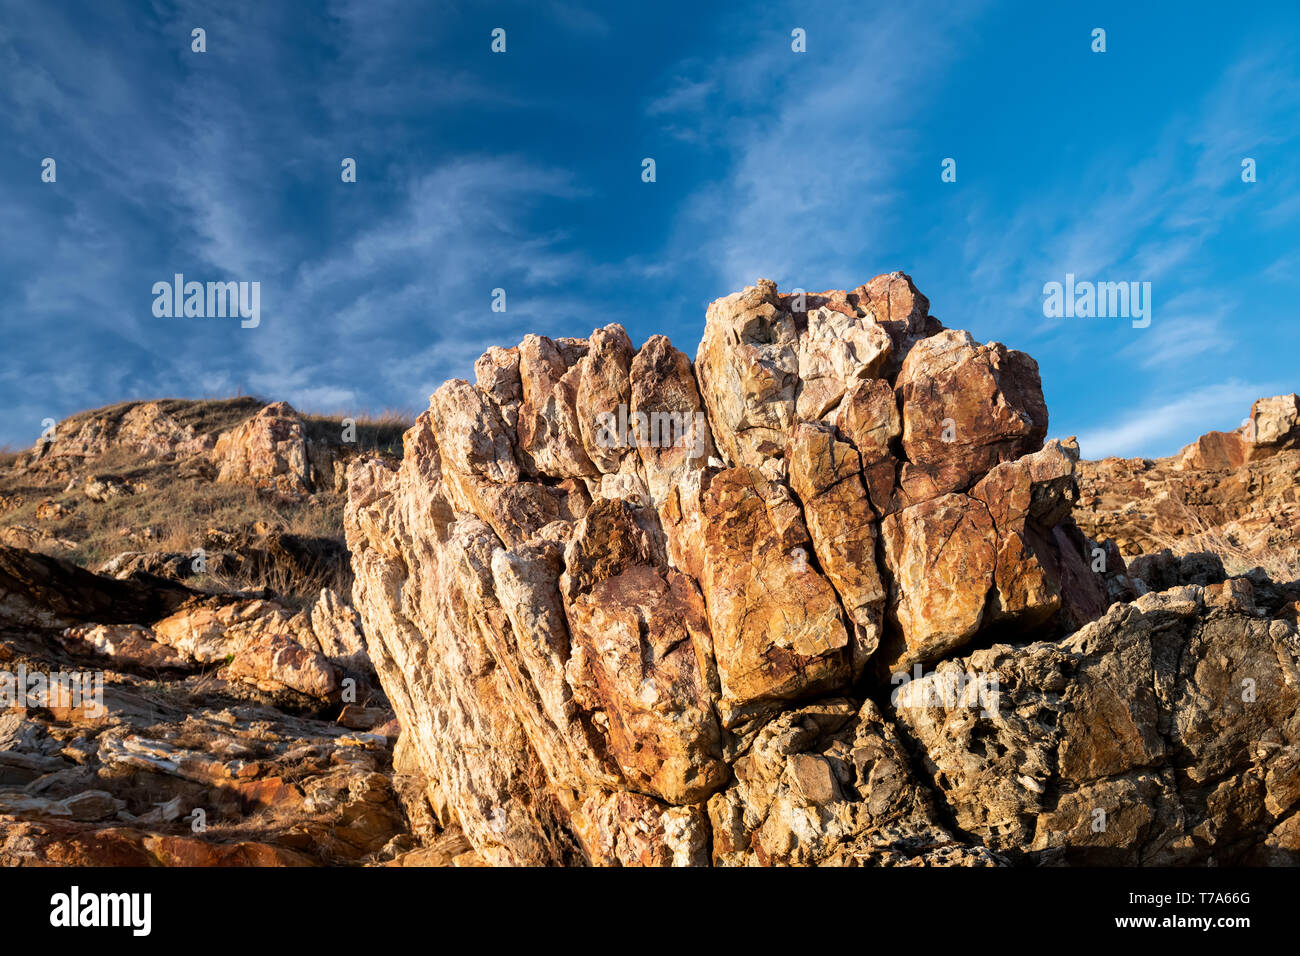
[[601, 579], [268, 450], [966, 408]]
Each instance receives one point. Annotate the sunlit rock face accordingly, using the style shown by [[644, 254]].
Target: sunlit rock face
[[637, 610]]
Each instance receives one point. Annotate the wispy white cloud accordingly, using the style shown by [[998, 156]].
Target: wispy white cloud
[[1192, 324], [1164, 425], [684, 95], [814, 143], [1153, 223]]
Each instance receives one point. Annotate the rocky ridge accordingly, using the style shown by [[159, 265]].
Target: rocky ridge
[[1229, 501], [227, 731], [824, 594], [607, 646]]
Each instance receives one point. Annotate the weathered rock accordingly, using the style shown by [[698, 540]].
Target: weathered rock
[[942, 556], [585, 646], [1026, 499], [29, 538], [890, 301], [645, 643], [337, 630], [658, 651], [837, 351], [826, 476], [1164, 733], [130, 645], [455, 702], [1274, 424], [662, 384], [106, 487], [748, 366], [269, 450], [36, 590], [51, 510], [129, 784], [145, 429], [550, 433], [273, 661], [497, 376], [164, 564], [201, 631], [830, 784], [965, 408], [603, 389], [869, 418], [778, 633], [631, 829], [894, 302]]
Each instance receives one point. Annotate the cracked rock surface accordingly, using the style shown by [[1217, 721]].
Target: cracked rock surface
[[684, 646]]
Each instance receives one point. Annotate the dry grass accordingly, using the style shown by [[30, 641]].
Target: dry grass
[[1280, 564], [295, 589], [380, 432], [178, 511]]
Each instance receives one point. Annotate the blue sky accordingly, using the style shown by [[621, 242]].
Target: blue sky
[[522, 171]]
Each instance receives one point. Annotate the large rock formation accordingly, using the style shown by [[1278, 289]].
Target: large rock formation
[[631, 609]]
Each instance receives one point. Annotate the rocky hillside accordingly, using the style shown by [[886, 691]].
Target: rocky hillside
[[817, 597], [1229, 499], [206, 699], [823, 593], [147, 486]]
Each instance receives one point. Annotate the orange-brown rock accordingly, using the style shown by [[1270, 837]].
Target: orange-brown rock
[[662, 384], [269, 450], [646, 643], [550, 433], [1026, 499], [778, 630], [826, 475], [869, 418], [584, 642], [603, 387], [748, 366], [1232, 495], [965, 408], [942, 556]]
